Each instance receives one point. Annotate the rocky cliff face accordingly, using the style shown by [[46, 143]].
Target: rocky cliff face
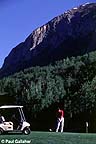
[[70, 34]]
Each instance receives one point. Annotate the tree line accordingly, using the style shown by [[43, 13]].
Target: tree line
[[70, 83]]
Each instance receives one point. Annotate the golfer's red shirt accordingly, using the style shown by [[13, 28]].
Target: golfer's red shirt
[[60, 113]]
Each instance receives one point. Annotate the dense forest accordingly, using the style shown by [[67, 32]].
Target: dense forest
[[69, 83]]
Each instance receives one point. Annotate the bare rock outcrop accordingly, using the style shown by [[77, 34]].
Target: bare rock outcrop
[[70, 34]]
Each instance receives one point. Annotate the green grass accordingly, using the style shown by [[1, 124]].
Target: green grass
[[50, 138]]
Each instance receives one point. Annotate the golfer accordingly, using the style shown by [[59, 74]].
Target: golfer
[[60, 120]]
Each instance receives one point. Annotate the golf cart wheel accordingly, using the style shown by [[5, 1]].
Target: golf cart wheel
[[26, 131], [1, 131]]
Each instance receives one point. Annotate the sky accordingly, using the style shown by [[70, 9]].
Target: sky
[[18, 18]]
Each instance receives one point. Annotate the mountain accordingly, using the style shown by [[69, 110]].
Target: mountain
[[72, 33]]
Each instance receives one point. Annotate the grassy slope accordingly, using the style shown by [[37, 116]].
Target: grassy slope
[[53, 138]]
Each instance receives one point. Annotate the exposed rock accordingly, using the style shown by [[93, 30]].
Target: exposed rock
[[70, 34]]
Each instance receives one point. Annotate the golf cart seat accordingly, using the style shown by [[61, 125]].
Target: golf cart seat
[[8, 123], [4, 124], [2, 119]]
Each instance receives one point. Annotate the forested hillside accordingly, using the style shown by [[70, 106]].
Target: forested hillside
[[69, 83]]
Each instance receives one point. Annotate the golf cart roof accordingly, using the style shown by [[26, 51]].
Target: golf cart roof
[[10, 106]]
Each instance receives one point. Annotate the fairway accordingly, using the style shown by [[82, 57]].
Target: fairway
[[49, 138]]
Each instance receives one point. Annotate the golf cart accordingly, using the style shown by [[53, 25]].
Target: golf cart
[[12, 119]]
